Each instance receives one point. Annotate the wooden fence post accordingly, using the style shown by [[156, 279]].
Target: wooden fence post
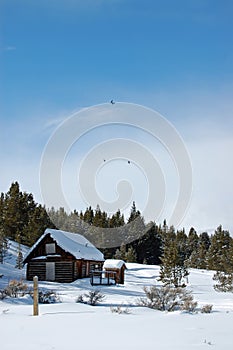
[[35, 296]]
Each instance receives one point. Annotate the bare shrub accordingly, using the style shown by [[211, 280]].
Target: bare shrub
[[5, 311], [91, 298], [119, 310], [3, 294], [48, 297], [94, 297], [16, 288], [206, 309], [167, 298], [80, 299], [188, 304]]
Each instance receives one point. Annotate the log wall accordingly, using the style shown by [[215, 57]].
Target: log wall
[[36, 268]]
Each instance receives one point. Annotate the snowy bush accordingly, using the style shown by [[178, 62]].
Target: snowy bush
[[16, 288], [188, 304], [48, 297], [167, 298], [206, 309], [3, 294], [91, 298], [119, 310], [80, 299]]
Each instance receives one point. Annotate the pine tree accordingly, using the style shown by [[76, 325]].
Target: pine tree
[[60, 219], [134, 213], [182, 246], [172, 270], [19, 259], [14, 218], [217, 255], [205, 239], [37, 223], [117, 220], [197, 259], [121, 253], [192, 242], [3, 245], [3, 238], [224, 275], [131, 256], [224, 281], [88, 215], [149, 246], [20, 213], [100, 218], [164, 228], [135, 227]]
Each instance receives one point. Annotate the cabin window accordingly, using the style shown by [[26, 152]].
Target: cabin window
[[93, 267], [50, 248]]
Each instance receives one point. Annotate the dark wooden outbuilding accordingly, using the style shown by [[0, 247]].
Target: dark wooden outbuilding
[[115, 269], [62, 257], [103, 278]]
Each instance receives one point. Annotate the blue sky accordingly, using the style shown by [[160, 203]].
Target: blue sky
[[173, 56], [64, 53]]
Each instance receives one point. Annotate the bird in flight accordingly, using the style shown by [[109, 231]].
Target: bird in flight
[[112, 102]]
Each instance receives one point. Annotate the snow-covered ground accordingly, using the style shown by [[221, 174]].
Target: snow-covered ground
[[78, 326]]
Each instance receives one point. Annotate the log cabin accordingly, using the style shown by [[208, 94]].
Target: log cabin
[[62, 256]]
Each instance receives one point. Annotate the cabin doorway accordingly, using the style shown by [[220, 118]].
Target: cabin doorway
[[50, 271]]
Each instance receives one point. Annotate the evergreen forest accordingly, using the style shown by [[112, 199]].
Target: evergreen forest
[[24, 221]]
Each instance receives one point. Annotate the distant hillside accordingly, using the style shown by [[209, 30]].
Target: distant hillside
[[7, 269]]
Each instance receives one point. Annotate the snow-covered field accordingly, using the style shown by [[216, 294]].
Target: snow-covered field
[[73, 325]]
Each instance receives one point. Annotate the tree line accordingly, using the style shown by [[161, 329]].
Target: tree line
[[24, 221]]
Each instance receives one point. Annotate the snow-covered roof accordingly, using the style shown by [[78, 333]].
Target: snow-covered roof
[[113, 264], [74, 243]]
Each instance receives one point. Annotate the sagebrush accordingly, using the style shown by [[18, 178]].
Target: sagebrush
[[119, 310], [167, 298], [91, 298], [48, 297], [16, 288], [206, 309]]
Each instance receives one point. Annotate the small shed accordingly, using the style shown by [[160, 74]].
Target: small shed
[[115, 269], [62, 257], [103, 278]]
